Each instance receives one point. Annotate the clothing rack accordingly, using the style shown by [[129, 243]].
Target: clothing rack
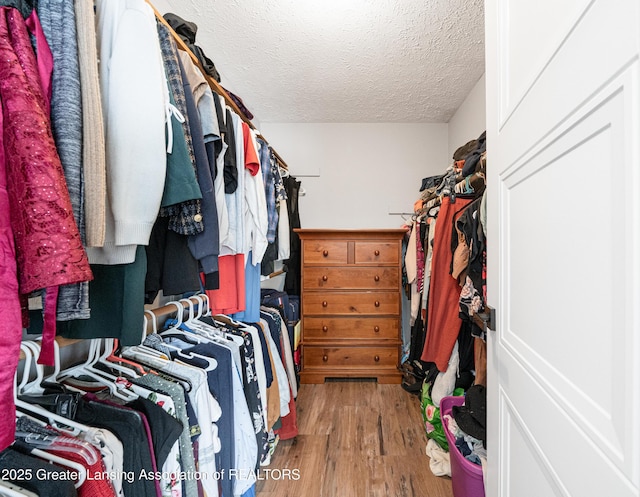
[[213, 83], [161, 314], [169, 310]]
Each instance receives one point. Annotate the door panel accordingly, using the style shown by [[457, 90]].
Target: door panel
[[518, 27], [582, 251], [601, 45], [564, 258], [567, 457], [528, 474]]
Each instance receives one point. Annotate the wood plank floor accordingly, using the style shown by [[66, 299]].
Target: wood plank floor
[[356, 439]]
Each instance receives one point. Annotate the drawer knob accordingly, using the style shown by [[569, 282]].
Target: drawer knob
[[377, 303], [326, 358], [325, 253], [377, 253], [376, 329], [325, 328], [376, 278], [376, 358], [325, 303], [325, 278]]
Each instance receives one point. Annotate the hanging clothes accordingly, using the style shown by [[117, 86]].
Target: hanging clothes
[[251, 311], [202, 409], [443, 322], [59, 26], [134, 97], [205, 246], [255, 203], [217, 153], [55, 486], [230, 298], [117, 303], [10, 314], [253, 395], [219, 381], [25, 7], [182, 198], [131, 429], [271, 253], [293, 263], [48, 246], [93, 149], [71, 449], [172, 389], [170, 265]]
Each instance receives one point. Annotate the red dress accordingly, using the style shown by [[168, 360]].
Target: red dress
[[35, 210], [444, 321]]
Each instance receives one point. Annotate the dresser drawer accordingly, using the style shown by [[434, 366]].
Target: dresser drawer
[[351, 278], [353, 357], [326, 329], [377, 252], [349, 303], [324, 252]]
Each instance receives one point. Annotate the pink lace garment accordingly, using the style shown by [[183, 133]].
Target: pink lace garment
[[49, 251], [10, 315]]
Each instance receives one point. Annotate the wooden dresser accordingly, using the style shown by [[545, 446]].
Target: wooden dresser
[[351, 304]]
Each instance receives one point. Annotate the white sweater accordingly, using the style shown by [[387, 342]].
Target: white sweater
[[134, 99]]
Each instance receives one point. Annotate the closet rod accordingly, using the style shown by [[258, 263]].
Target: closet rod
[[280, 160], [276, 273], [212, 82], [62, 342], [167, 311], [161, 313]]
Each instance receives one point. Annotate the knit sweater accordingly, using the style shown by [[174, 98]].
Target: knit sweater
[[93, 152], [135, 102], [59, 27]]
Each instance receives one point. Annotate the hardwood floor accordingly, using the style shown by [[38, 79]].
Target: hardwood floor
[[356, 439]]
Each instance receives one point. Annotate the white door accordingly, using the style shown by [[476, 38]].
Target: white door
[[563, 135]]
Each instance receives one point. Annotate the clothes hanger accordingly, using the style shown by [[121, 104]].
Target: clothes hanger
[[154, 327], [142, 352], [156, 354], [206, 303], [180, 323], [112, 358], [56, 420], [226, 320], [176, 327], [66, 426], [194, 323], [61, 443], [88, 369], [26, 370], [146, 350], [56, 376], [222, 319], [79, 468], [114, 362], [211, 362]]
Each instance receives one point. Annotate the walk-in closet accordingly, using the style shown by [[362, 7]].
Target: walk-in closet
[[357, 248]]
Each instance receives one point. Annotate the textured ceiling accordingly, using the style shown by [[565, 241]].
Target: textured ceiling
[[342, 60]]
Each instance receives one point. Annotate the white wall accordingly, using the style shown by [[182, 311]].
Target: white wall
[[469, 121], [355, 174]]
